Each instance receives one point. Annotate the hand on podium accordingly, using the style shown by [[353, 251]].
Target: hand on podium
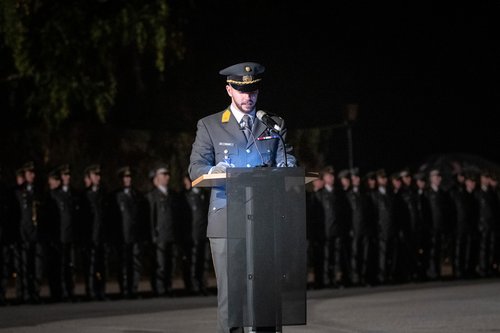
[[221, 167]]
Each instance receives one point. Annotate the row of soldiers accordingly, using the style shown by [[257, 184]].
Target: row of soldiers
[[56, 233], [380, 228]]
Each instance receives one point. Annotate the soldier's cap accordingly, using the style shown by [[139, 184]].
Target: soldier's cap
[[370, 175], [470, 175], [419, 176], [28, 166], [434, 172], [54, 174], [381, 173], [162, 168], [396, 175], [327, 169], [124, 171], [245, 76], [344, 173], [355, 172], [19, 172], [93, 168], [64, 169], [405, 173]]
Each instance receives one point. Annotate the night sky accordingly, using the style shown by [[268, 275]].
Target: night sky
[[425, 76]]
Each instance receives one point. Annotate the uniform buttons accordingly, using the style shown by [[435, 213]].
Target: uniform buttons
[[214, 208], [248, 165], [226, 151], [269, 150], [248, 151]]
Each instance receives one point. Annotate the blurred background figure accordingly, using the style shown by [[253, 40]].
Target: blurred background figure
[[315, 224]]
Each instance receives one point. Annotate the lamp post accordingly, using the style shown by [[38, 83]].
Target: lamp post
[[350, 114]]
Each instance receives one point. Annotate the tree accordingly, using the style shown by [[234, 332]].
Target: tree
[[64, 53]]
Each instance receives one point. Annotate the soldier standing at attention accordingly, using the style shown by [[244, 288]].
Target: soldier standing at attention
[[95, 234], [163, 231], [29, 200], [194, 226], [132, 220]]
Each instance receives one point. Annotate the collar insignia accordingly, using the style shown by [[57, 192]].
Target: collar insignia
[[225, 116]]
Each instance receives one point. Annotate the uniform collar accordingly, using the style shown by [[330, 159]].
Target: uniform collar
[[238, 114]]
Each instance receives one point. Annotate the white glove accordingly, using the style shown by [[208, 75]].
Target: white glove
[[220, 167]]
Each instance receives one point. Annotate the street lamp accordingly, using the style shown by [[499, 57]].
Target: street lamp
[[350, 116]]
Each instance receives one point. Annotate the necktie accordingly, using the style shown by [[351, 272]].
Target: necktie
[[247, 126]]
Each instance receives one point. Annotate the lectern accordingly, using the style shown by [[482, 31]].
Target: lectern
[[266, 228]]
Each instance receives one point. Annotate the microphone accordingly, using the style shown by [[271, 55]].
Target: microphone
[[268, 121]]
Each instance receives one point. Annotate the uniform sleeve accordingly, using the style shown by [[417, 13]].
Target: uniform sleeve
[[280, 156], [202, 153]]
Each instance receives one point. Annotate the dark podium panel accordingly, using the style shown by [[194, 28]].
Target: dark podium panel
[[267, 274]]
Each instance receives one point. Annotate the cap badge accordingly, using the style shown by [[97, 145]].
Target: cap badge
[[247, 78]]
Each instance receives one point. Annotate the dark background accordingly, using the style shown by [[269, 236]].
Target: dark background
[[425, 75]]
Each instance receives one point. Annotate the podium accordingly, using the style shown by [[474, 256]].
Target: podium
[[266, 230]]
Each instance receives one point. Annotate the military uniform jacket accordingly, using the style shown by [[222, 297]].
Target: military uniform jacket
[[30, 209], [361, 212], [163, 227], [196, 217], [386, 219], [69, 207], [487, 210], [336, 211], [439, 210], [130, 216], [220, 138], [95, 230]]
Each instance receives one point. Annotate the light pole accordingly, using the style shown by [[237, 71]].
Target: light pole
[[350, 114]]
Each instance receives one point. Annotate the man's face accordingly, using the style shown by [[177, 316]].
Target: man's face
[[356, 180], [53, 183], [29, 176], [244, 101], [66, 178], [346, 182], [95, 178], [127, 181], [381, 180], [162, 179], [436, 180], [396, 183], [420, 184], [406, 180], [329, 179]]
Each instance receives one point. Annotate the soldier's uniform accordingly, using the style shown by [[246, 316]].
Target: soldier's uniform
[[69, 205], [9, 238], [163, 235], [362, 226], [132, 221], [194, 210], [466, 214], [487, 202], [439, 203], [315, 220], [94, 230], [387, 231], [337, 220], [29, 199]]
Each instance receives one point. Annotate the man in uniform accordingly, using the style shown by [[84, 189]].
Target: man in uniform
[[131, 224], [226, 139], [362, 228], [387, 229], [163, 231], [29, 200], [69, 206], [194, 225], [95, 235], [439, 212]]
